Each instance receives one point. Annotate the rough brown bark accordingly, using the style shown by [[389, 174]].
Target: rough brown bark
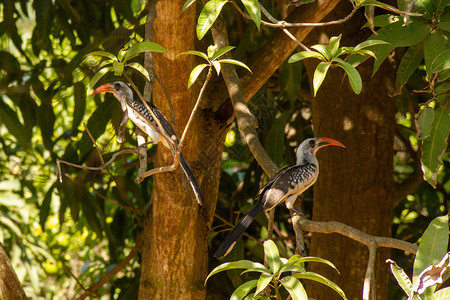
[[10, 286], [175, 255], [355, 186]]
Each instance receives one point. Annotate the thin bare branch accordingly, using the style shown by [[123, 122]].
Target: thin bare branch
[[369, 290], [110, 275], [197, 103], [95, 143], [355, 234]]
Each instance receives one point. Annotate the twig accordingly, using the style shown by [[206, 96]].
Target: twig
[[369, 290], [102, 167], [197, 103], [283, 24], [95, 143], [74, 277], [113, 272]]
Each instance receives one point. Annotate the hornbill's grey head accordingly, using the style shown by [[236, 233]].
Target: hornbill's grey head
[[118, 88], [309, 147]]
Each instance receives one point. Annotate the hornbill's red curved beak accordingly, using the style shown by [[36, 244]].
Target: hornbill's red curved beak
[[105, 88], [323, 141]]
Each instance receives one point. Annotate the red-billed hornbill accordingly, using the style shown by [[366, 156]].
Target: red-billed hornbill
[[136, 111], [286, 185]]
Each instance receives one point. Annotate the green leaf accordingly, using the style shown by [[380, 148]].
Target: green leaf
[[442, 294], [138, 67], [333, 45], [9, 118], [319, 278], [425, 7], [292, 268], [252, 7], [369, 43], [234, 62], [297, 259], [240, 264], [294, 287], [216, 65], [397, 35], [79, 95], [382, 20], [194, 52], [444, 22], [441, 62], [289, 79], [305, 54], [275, 137], [187, 4], [409, 63], [432, 247], [319, 75], [272, 256], [141, 47], [263, 282], [402, 279], [221, 52], [195, 72], [103, 54], [424, 122], [323, 50], [435, 44], [353, 76], [100, 73], [435, 145], [243, 290], [208, 16], [118, 68]]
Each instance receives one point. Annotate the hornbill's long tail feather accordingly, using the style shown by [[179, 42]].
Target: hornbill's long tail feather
[[239, 230], [187, 170]]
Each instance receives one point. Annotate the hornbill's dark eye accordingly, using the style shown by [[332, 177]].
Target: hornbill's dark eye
[[117, 86], [312, 143]]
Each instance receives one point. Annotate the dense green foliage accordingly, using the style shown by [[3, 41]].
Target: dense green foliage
[[84, 225]]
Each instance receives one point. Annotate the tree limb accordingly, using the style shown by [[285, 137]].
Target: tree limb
[[10, 285]]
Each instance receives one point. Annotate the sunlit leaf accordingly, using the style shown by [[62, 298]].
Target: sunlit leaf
[[216, 65], [187, 4], [243, 290], [195, 72], [333, 45], [118, 68], [386, 7], [221, 52], [353, 76], [194, 52], [402, 279], [241, 264], [103, 54], [319, 75], [272, 256], [208, 16], [142, 47], [100, 73], [321, 279], [294, 287], [263, 282], [297, 259], [442, 294], [252, 7], [432, 276], [323, 50], [234, 62], [432, 247], [138, 67], [369, 43], [305, 54], [433, 147]]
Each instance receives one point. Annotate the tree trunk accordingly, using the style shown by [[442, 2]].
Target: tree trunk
[[355, 186], [175, 254]]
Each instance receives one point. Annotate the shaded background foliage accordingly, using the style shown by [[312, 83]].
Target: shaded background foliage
[[85, 225]]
